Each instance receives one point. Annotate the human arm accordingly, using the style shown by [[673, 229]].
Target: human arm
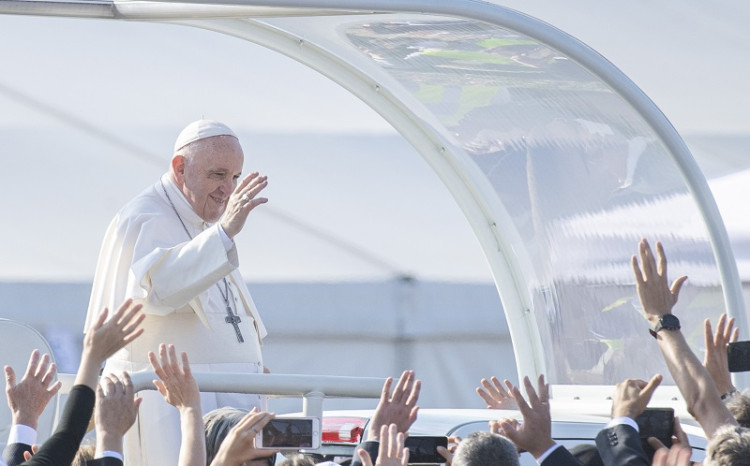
[[115, 412], [102, 340], [105, 338], [178, 387], [494, 394], [239, 444], [716, 360], [693, 380], [391, 451]]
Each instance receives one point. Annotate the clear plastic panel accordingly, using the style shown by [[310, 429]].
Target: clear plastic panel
[[580, 172]]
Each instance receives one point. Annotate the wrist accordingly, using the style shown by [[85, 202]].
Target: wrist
[[108, 442], [542, 448], [190, 409], [30, 421], [624, 412]]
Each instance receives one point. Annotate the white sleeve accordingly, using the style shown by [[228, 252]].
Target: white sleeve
[[20, 433]]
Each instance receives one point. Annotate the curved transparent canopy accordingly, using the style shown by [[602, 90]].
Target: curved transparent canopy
[[558, 170], [571, 174]]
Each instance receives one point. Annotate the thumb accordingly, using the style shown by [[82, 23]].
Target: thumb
[[656, 444], [364, 457], [648, 390], [677, 285], [509, 430]]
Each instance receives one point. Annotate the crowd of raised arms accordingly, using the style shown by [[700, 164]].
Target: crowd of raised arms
[[226, 437]]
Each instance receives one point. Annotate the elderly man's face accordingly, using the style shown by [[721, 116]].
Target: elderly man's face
[[209, 175]]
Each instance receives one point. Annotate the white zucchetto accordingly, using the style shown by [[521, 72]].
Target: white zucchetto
[[201, 129]]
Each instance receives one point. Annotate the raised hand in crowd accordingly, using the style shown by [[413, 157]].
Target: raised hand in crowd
[[391, 451], [494, 394], [178, 387], [239, 445], [447, 453], [679, 439], [28, 398], [400, 408], [632, 396], [105, 338], [535, 433], [115, 412], [716, 360], [693, 380], [674, 456]]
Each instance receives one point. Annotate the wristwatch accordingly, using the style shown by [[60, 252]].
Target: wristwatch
[[666, 322]]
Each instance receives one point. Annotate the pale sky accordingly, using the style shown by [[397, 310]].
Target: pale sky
[[688, 56]]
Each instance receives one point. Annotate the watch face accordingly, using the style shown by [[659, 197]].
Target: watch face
[[670, 322]]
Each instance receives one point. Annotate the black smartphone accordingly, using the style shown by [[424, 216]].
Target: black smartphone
[[739, 356], [656, 422], [423, 450]]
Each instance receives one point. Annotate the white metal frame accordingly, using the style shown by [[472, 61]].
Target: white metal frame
[[476, 199]]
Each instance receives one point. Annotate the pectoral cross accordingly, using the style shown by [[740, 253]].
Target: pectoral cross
[[234, 320]]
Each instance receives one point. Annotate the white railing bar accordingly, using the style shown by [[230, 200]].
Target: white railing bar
[[276, 384]]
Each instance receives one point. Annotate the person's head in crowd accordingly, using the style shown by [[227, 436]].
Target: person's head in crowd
[[217, 424], [298, 460], [485, 448], [729, 445], [85, 453], [587, 454], [739, 405]]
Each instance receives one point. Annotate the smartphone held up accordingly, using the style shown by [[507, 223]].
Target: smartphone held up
[[290, 433]]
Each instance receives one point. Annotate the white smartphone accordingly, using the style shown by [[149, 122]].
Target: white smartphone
[[290, 433]]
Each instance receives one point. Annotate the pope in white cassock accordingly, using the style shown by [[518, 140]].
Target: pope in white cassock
[[172, 249]]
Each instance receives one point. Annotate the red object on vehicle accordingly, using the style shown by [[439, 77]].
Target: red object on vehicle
[[343, 429]]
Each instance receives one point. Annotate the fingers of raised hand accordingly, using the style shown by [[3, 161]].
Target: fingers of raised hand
[[520, 400], [32, 366], [10, 378], [662, 265], [639, 279], [530, 392], [402, 387], [385, 394], [186, 364], [414, 393], [649, 388], [127, 385], [364, 457], [155, 365]]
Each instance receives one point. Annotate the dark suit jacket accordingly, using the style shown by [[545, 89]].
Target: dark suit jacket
[[370, 447], [61, 447], [561, 457], [13, 455], [621, 446]]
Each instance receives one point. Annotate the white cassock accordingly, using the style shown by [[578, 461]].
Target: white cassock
[[147, 255]]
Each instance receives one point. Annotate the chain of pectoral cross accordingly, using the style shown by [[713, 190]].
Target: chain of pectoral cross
[[231, 317]]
